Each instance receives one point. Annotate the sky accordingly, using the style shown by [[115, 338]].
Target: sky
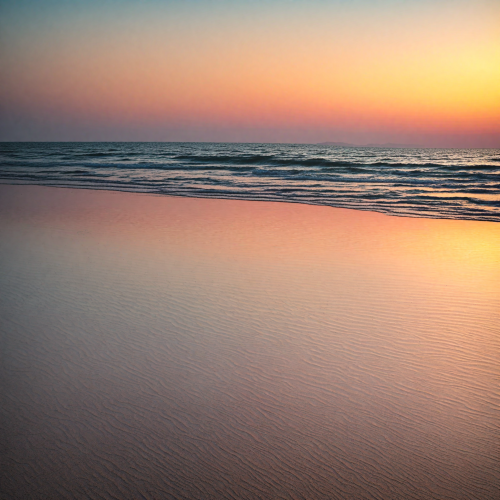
[[360, 71]]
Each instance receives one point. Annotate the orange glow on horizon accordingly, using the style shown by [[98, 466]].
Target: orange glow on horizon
[[428, 74]]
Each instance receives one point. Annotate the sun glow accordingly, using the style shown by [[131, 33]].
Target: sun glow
[[407, 70]]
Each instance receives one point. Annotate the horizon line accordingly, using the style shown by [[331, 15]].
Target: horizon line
[[327, 144]]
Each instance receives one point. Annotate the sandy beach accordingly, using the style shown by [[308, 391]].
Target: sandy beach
[[167, 347]]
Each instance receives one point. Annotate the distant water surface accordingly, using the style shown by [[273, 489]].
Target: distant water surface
[[436, 183], [155, 347]]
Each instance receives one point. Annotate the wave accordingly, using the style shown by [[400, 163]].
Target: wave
[[448, 184], [307, 162]]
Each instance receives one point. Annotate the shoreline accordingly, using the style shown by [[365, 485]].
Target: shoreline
[[256, 199]]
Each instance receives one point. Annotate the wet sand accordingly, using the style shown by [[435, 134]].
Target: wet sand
[[163, 347]]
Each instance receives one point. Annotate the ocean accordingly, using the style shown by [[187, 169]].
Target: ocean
[[432, 183]]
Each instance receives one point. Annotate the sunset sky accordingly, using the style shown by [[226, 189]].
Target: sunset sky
[[411, 71]]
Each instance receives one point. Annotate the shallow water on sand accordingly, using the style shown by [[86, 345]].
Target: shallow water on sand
[[161, 347]]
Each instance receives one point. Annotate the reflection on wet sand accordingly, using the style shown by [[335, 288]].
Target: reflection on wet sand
[[163, 347]]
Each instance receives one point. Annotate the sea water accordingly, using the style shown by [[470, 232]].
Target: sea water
[[436, 183]]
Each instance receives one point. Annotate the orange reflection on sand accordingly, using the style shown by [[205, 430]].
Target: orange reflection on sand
[[393, 320], [283, 234]]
